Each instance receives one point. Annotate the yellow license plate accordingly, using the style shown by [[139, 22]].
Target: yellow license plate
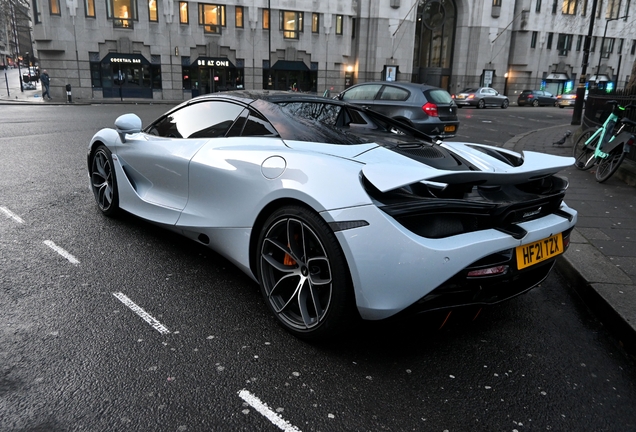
[[533, 253], [449, 128]]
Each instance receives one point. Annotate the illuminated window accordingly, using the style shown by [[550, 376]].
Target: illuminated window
[[315, 23], [569, 7], [583, 7], [37, 18], [613, 7], [211, 17], [153, 16], [339, 24], [123, 12], [89, 6], [266, 19], [291, 23], [183, 13], [54, 6], [496, 3], [238, 18]]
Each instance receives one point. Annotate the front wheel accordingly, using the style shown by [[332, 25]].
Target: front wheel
[[303, 274], [608, 166], [584, 153], [504, 104], [103, 181]]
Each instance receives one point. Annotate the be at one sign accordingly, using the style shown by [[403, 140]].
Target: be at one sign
[[213, 63]]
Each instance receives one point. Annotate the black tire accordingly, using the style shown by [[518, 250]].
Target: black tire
[[481, 104], [608, 166], [582, 154], [460, 106], [560, 106], [535, 103], [103, 181], [303, 274], [505, 104]]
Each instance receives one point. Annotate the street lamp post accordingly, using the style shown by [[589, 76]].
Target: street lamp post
[[577, 113], [600, 54]]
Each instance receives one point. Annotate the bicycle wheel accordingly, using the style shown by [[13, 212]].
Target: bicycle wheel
[[608, 166], [582, 153]]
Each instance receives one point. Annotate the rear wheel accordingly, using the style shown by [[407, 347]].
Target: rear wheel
[[535, 103], [582, 153], [608, 166], [481, 104], [303, 274]]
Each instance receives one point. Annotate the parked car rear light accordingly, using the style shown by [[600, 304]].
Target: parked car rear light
[[472, 96], [430, 109], [490, 271], [530, 96]]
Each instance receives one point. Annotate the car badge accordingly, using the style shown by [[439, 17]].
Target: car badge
[[532, 213]]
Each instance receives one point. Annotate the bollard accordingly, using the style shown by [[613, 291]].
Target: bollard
[[68, 94]]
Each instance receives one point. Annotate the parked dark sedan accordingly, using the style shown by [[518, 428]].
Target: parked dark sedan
[[536, 98], [426, 108], [481, 97]]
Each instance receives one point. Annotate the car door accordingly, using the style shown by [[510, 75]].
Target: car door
[[157, 162], [490, 96]]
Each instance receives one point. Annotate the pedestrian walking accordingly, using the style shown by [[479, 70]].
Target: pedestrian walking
[[44, 78]]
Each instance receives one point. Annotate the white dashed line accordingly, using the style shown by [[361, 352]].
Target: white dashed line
[[61, 251], [142, 313], [11, 215], [270, 415]]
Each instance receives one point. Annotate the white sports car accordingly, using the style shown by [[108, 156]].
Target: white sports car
[[336, 211]]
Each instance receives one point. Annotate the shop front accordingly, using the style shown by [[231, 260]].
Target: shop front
[[290, 75], [128, 76], [211, 75], [557, 83]]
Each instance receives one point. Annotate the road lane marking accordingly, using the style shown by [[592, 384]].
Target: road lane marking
[[11, 215], [61, 251], [270, 415], [142, 313]]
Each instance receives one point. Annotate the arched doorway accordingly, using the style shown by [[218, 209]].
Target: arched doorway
[[434, 40]]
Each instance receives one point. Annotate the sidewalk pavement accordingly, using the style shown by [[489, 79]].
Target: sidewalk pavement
[[600, 264]]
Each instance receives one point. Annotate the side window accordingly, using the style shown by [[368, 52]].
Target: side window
[[363, 92], [394, 94], [210, 119], [325, 113], [258, 126]]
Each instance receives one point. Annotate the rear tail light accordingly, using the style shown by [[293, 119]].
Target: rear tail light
[[430, 109], [491, 271], [472, 96], [530, 96]]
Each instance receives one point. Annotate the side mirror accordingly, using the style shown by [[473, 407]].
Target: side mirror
[[127, 124]]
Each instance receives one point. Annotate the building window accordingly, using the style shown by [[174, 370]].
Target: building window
[[238, 17], [633, 51], [96, 70], [569, 7], [339, 24], [89, 8], [564, 44], [533, 39], [613, 7], [37, 18], [537, 7], [607, 48], [555, 6], [183, 13], [54, 7], [315, 23], [579, 42], [599, 8], [583, 7], [123, 12], [593, 46], [496, 3], [291, 24], [550, 37], [266, 19], [620, 46], [353, 28], [211, 17], [153, 16]]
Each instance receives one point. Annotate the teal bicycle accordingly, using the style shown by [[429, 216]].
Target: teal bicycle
[[605, 147]]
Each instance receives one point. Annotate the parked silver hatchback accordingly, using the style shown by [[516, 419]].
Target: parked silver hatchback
[[427, 108]]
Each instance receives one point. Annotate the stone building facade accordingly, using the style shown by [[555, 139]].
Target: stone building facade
[[177, 49]]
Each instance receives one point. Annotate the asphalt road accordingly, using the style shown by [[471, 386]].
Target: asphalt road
[[77, 354]]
